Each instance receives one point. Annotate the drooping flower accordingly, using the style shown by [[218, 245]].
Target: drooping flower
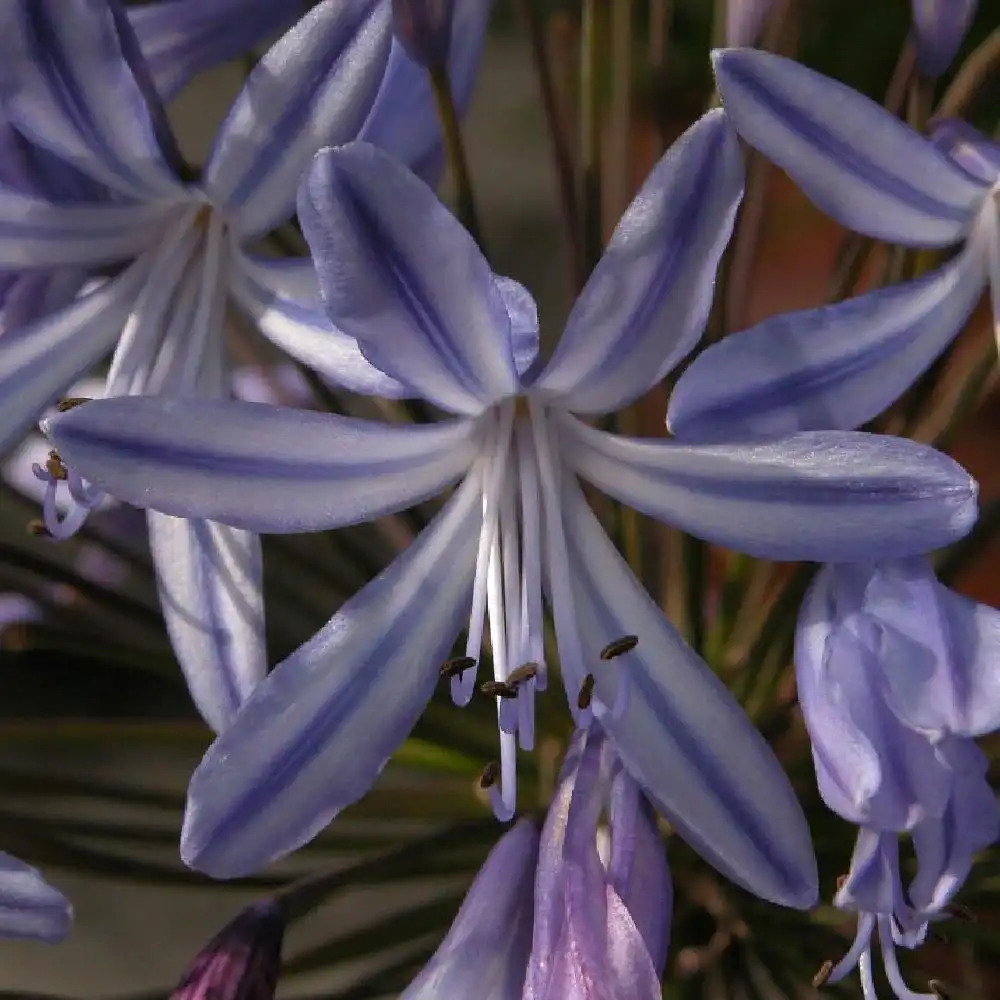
[[896, 674], [559, 920], [939, 26], [241, 962], [29, 906], [400, 274], [184, 254], [840, 365]]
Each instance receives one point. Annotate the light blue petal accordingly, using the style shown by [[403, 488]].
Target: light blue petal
[[282, 298], [485, 952], [681, 735], [38, 363], [265, 468], [314, 735], [38, 233], [871, 769], [181, 38], [940, 27], [969, 148], [404, 120], [872, 884], [647, 302], [835, 367], [71, 81], [524, 332], [29, 906], [855, 160], [939, 651], [823, 496], [400, 274], [209, 580], [314, 87]]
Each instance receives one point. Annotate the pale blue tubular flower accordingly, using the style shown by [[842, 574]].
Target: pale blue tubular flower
[[400, 274], [939, 26], [29, 906], [840, 365], [73, 82], [896, 674]]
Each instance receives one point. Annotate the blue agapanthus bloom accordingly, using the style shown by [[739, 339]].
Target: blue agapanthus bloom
[[116, 195], [29, 906], [896, 675], [560, 919], [841, 365], [400, 275], [939, 28]]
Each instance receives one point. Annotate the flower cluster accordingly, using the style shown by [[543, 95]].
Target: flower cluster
[[114, 246]]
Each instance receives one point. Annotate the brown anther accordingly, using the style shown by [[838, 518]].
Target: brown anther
[[619, 647], [490, 774], [937, 988], [586, 695], [523, 674], [456, 665], [841, 882], [55, 466], [71, 403], [36, 526], [961, 912], [498, 689], [823, 975]]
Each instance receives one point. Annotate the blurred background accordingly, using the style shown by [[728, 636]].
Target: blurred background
[[97, 733]]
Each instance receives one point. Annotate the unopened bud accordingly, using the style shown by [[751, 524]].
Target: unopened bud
[[423, 28]]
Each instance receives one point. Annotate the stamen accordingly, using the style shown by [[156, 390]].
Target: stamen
[[36, 526], [456, 665], [490, 774], [823, 975], [859, 948], [55, 467], [619, 647], [526, 672], [891, 964], [70, 403], [586, 694], [498, 689]]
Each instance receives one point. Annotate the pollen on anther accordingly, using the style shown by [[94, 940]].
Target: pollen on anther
[[524, 673], [55, 466], [456, 665], [586, 695], [498, 689], [823, 974], [36, 526], [619, 647], [71, 403], [490, 774]]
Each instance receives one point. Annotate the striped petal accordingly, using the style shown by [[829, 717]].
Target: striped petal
[[39, 233], [314, 87], [403, 120], [831, 496], [282, 298], [969, 148], [209, 580], [315, 734], [39, 362], [681, 734], [180, 38], [400, 274], [72, 80], [855, 160], [485, 952], [835, 367], [29, 906], [647, 302], [265, 468]]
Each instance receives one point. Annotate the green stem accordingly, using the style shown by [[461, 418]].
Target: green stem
[[455, 151]]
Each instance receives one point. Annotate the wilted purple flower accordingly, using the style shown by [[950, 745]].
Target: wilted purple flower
[[939, 27], [29, 906], [400, 274], [745, 21], [186, 248], [424, 29], [841, 365], [241, 962], [896, 673]]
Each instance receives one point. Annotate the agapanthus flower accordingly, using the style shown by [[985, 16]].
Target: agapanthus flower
[[563, 920], [745, 21], [241, 962], [841, 365], [939, 27], [29, 906], [401, 275], [896, 674], [423, 27], [184, 252]]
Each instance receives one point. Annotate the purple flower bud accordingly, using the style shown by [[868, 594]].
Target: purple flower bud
[[241, 962], [745, 21], [423, 27], [939, 27]]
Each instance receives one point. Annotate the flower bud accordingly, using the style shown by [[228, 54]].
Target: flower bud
[[939, 27], [423, 28]]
